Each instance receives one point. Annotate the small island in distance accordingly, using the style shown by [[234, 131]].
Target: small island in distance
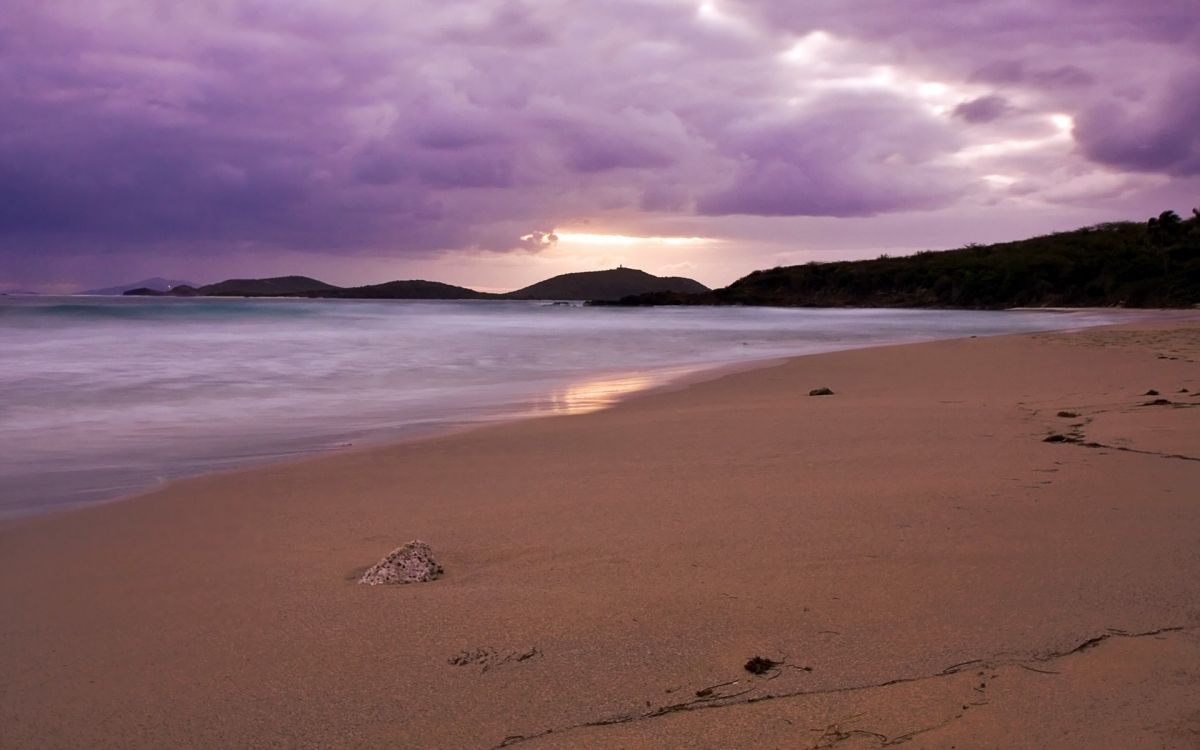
[[1121, 264], [612, 284]]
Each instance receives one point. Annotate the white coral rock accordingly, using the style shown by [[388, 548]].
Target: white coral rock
[[412, 563]]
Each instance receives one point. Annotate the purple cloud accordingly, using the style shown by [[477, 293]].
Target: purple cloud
[[984, 109], [1157, 136], [818, 164], [404, 131], [1017, 72]]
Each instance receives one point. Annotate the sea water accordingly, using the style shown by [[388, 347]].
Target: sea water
[[103, 397]]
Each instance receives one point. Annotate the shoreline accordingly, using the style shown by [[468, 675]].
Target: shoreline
[[870, 542], [659, 378], [664, 381]]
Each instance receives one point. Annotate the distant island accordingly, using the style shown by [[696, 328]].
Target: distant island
[[609, 285], [1126, 264], [156, 284], [1120, 264]]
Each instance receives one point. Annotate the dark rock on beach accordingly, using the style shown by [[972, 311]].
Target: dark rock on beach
[[1058, 438], [760, 665]]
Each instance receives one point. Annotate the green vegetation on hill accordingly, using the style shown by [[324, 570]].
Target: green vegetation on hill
[[1155, 264]]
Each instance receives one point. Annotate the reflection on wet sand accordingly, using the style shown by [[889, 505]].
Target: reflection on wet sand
[[599, 393]]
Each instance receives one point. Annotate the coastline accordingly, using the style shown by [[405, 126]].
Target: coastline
[[603, 392], [911, 522], [43, 489]]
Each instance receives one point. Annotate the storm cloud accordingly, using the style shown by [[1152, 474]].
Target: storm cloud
[[418, 128]]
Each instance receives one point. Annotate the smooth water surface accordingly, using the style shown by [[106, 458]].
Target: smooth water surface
[[101, 397]]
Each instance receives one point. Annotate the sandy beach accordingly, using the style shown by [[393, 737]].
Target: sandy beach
[[919, 564]]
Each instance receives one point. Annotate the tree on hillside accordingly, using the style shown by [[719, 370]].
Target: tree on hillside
[[1165, 225], [1163, 230]]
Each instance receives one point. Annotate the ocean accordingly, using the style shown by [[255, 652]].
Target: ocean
[[104, 397]]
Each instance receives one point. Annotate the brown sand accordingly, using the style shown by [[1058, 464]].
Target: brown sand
[[950, 579]]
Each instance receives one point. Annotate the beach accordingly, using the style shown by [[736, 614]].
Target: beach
[[914, 560], [108, 397]]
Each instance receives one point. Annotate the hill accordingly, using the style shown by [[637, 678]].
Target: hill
[[1152, 264], [606, 285], [183, 290], [279, 286], [156, 284], [415, 289], [612, 284]]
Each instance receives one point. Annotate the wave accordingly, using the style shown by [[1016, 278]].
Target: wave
[[105, 396]]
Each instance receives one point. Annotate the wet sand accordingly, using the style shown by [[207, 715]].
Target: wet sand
[[923, 567]]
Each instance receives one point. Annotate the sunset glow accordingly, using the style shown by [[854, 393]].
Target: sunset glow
[[205, 141], [540, 373], [623, 240]]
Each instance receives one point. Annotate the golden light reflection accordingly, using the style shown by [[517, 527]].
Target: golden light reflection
[[599, 393]]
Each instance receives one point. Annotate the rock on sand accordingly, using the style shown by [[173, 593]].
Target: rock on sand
[[412, 563]]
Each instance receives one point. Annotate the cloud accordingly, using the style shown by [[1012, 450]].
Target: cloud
[[983, 109], [817, 164], [1016, 72], [425, 127], [1160, 135], [538, 240]]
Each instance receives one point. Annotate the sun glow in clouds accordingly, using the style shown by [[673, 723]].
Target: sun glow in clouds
[[1063, 125], [809, 48], [826, 63], [999, 180], [709, 13], [624, 240]]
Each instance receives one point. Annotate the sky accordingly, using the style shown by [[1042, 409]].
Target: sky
[[497, 142]]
